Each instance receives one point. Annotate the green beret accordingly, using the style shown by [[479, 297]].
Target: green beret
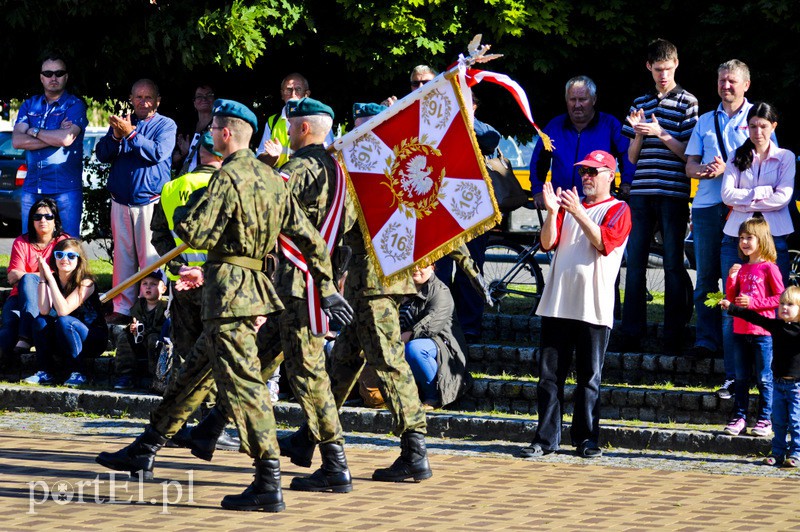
[[235, 110], [363, 110], [307, 107], [208, 143]]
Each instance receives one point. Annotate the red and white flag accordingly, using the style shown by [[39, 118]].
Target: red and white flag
[[418, 178]]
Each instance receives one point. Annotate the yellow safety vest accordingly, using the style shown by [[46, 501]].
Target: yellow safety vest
[[176, 194], [279, 130]]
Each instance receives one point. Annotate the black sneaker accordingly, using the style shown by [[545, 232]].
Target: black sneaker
[[725, 392]]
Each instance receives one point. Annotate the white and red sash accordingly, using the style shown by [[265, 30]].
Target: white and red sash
[[329, 231]]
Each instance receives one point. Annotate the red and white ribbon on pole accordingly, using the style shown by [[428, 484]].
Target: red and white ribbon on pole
[[473, 77], [329, 231]]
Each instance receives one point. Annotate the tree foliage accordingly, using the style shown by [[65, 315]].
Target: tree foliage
[[363, 49]]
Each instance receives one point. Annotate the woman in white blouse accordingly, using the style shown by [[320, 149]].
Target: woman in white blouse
[[759, 181]]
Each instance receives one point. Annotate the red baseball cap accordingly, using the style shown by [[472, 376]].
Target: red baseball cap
[[599, 159]]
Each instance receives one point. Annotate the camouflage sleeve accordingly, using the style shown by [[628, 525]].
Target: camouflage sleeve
[[203, 224], [297, 227], [465, 262], [162, 238]]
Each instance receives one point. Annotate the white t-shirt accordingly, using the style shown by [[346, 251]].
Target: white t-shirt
[[580, 285]]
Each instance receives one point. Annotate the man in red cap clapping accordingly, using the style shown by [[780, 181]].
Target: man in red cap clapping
[[577, 305]]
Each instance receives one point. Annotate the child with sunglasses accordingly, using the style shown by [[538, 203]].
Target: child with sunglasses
[[70, 326], [138, 343], [21, 307]]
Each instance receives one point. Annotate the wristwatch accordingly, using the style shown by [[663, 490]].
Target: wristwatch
[[35, 132]]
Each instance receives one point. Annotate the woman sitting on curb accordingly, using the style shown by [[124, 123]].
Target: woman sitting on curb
[[70, 326], [21, 308]]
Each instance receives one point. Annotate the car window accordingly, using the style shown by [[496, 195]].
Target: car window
[[518, 155], [7, 151]]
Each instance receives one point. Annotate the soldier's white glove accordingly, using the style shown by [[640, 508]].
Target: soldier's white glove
[[337, 308]]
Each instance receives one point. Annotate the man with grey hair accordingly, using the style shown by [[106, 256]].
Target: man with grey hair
[[717, 134], [139, 148], [420, 75], [575, 134]]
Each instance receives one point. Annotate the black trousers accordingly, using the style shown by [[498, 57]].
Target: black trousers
[[560, 339]]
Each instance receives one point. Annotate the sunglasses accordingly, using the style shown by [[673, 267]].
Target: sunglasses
[[38, 216], [138, 336], [591, 172], [419, 83], [61, 255], [56, 73]]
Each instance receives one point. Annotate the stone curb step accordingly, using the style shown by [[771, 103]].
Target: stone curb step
[[631, 368], [618, 402], [440, 424]]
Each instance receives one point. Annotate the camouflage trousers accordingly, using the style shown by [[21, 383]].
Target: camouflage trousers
[[186, 328], [304, 358], [225, 353], [376, 330]]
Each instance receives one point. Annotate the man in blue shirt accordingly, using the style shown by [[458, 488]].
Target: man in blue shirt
[[139, 148], [575, 134], [706, 161], [50, 127]]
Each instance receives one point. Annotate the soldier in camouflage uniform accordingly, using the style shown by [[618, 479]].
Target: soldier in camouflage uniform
[[311, 173], [376, 331], [238, 220]]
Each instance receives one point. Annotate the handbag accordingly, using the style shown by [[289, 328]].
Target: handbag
[[507, 191]]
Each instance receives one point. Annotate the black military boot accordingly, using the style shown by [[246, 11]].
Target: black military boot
[[183, 438], [333, 476], [263, 494], [203, 437], [298, 447], [137, 457], [412, 463]]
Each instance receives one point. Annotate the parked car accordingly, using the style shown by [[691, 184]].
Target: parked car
[[13, 171]]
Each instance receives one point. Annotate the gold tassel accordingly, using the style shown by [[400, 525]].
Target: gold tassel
[[546, 140]]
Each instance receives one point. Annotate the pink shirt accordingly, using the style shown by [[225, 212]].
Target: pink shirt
[[762, 282], [25, 256]]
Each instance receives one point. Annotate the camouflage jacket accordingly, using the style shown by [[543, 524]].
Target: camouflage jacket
[[242, 212], [162, 239], [312, 181]]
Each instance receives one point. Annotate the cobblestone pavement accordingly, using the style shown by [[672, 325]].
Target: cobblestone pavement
[[475, 486]]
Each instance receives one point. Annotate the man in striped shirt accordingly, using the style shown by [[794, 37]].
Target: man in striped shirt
[[659, 126]]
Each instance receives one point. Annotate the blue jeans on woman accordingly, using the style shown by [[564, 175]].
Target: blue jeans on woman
[[786, 418], [421, 356], [749, 349], [66, 340], [19, 312]]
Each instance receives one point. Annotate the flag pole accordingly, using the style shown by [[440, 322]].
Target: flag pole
[[141, 274]]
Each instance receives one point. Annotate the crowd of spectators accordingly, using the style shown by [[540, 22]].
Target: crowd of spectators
[[657, 149]]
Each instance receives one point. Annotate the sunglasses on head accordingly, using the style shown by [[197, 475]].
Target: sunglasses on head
[[588, 170], [61, 255], [56, 73], [47, 216]]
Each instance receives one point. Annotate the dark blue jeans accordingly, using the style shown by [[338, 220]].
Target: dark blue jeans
[[750, 350], [672, 215], [560, 338], [707, 224], [469, 303], [786, 418], [64, 342], [19, 312]]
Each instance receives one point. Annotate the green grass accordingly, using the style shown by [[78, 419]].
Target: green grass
[[102, 270]]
